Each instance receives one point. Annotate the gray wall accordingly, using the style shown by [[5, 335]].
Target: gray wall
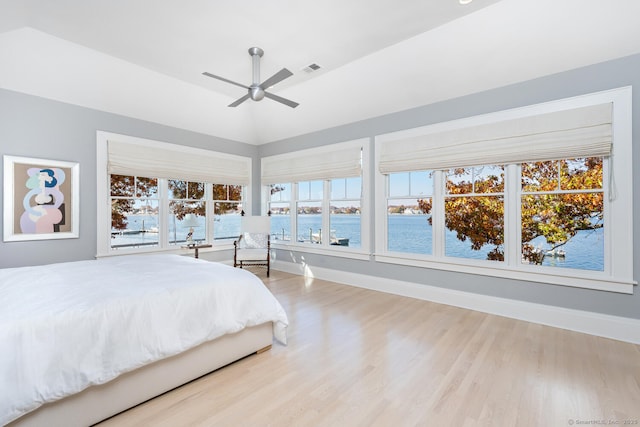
[[37, 127], [609, 75]]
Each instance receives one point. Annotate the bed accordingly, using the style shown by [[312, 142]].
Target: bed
[[85, 340]]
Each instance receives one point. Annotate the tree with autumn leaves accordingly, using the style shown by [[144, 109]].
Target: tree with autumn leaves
[[187, 197], [129, 188], [475, 212]]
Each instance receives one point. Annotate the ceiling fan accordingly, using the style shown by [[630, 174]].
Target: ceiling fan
[[258, 90]]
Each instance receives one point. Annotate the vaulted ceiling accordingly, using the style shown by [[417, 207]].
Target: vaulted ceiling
[[145, 58]]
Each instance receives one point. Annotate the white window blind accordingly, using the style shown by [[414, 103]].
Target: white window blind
[[308, 165], [579, 132], [177, 162]]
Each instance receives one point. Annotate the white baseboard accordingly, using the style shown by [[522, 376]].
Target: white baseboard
[[603, 325]]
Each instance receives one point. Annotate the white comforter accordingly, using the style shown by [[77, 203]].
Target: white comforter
[[64, 327]]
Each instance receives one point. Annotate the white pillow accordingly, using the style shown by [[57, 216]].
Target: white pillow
[[255, 240]]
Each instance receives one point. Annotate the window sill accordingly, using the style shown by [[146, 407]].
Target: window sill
[[172, 250], [578, 279], [336, 251]]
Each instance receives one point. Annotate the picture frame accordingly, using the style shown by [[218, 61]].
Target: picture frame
[[41, 199]]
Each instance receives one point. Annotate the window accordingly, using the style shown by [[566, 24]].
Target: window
[[309, 211], [320, 204], [409, 224], [134, 211], [528, 194], [561, 206], [227, 208], [153, 195], [562, 213], [474, 212], [344, 218], [279, 206], [187, 211]]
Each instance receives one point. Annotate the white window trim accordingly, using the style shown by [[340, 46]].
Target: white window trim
[[618, 274], [361, 253], [103, 211]]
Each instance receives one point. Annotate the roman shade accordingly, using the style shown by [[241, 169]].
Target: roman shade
[[579, 132], [308, 165], [177, 162]]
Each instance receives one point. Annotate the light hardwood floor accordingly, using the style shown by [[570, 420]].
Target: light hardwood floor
[[362, 358]]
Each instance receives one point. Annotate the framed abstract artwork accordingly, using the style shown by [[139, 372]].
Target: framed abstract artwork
[[40, 199]]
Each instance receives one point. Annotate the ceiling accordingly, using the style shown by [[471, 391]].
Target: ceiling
[[145, 58]]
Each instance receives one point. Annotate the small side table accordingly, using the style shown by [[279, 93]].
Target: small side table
[[197, 246]]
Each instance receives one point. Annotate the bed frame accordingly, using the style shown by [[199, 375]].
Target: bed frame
[[100, 402]]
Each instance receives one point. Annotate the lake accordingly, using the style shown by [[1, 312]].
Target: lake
[[412, 234], [407, 234]]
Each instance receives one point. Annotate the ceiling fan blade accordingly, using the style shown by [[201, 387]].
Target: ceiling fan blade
[[224, 80], [239, 101], [281, 100], [276, 78]]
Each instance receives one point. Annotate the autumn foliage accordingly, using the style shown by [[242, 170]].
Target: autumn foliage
[[559, 198], [186, 197]]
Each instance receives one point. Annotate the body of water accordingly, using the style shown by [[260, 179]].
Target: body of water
[[142, 230], [406, 233], [343, 226], [413, 234]]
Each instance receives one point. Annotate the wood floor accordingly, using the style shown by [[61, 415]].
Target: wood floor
[[362, 358]]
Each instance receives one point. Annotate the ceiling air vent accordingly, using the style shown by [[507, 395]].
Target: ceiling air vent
[[311, 68]]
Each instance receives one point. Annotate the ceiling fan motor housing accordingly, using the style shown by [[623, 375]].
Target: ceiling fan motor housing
[[256, 92]]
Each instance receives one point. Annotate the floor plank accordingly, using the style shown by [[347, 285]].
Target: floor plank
[[357, 357]]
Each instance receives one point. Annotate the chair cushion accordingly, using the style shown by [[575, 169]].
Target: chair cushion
[[252, 254], [255, 240]]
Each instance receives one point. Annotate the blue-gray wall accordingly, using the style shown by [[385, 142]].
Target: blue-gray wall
[[36, 127], [609, 75]]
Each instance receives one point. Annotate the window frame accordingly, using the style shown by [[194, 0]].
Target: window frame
[[559, 192], [103, 191], [324, 247], [346, 199], [215, 215], [135, 198], [618, 271], [267, 202], [309, 201], [441, 207], [165, 184], [409, 195], [361, 253]]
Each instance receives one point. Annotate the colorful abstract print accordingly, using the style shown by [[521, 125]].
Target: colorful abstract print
[[44, 209]]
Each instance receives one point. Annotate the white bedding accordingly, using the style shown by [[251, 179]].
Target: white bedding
[[64, 327]]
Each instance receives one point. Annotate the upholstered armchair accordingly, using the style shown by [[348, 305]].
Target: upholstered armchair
[[253, 246]]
